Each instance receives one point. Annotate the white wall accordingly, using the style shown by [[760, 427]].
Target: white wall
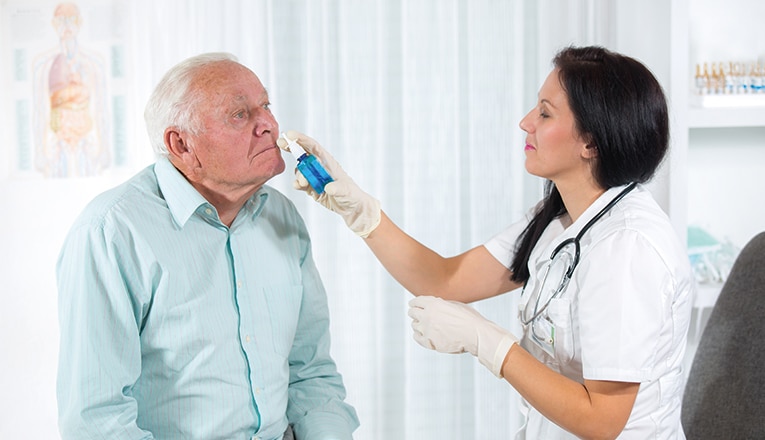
[[37, 215], [726, 165], [726, 168]]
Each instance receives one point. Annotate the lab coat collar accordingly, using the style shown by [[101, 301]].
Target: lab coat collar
[[588, 214]]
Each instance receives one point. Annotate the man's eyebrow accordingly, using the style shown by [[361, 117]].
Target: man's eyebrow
[[239, 98]]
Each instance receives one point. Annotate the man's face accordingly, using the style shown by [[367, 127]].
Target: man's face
[[236, 150]]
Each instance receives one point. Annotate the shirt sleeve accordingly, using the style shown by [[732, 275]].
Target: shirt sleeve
[[99, 357], [625, 289], [316, 406], [502, 245]]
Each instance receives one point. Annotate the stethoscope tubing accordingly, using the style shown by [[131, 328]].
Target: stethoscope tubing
[[575, 240]]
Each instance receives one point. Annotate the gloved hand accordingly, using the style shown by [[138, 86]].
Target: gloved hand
[[454, 327], [359, 210]]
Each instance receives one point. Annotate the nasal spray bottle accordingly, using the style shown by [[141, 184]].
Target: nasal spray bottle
[[309, 166]]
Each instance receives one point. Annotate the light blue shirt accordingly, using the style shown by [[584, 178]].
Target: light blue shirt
[[174, 326]]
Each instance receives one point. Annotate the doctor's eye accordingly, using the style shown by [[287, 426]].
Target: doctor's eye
[[543, 111]]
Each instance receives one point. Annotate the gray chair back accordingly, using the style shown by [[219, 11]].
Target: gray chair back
[[724, 397]]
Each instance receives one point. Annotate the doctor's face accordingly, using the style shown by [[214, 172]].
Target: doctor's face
[[554, 148]]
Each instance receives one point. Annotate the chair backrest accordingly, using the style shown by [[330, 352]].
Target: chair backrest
[[725, 394]]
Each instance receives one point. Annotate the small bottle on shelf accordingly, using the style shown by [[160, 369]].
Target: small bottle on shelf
[[736, 75], [729, 79], [755, 79], [699, 82], [743, 79], [712, 80], [706, 80]]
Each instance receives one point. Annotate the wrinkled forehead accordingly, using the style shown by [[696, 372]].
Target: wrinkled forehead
[[224, 79]]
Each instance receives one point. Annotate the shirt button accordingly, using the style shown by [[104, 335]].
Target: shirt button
[[258, 390], [247, 338], [239, 284], [208, 211]]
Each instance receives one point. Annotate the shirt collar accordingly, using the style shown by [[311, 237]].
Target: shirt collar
[[254, 205], [183, 200]]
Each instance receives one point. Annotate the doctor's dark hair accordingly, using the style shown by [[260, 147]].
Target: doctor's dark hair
[[620, 110]]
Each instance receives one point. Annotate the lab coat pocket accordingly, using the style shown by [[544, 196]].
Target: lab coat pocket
[[283, 312], [670, 387], [559, 313]]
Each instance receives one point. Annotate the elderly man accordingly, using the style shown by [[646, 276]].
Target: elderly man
[[190, 305]]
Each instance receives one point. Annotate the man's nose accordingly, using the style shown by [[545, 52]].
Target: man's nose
[[265, 122]]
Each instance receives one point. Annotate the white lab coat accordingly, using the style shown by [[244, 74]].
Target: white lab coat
[[625, 314]]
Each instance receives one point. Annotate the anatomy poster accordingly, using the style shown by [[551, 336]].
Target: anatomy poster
[[64, 100]]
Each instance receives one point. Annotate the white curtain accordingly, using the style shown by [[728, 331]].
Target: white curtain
[[419, 100], [420, 103]]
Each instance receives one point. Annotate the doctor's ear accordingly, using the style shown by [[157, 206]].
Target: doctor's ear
[[590, 151]]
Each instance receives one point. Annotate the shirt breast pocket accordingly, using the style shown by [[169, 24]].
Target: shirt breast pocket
[[559, 313], [283, 312]]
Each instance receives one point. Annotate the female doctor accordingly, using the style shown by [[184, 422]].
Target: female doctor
[[607, 287]]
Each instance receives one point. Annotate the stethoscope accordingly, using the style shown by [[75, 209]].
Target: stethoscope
[[574, 257]]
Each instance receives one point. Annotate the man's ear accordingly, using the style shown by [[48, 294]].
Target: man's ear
[[179, 149]]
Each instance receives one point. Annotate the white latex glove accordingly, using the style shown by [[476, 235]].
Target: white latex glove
[[454, 327], [359, 210]]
